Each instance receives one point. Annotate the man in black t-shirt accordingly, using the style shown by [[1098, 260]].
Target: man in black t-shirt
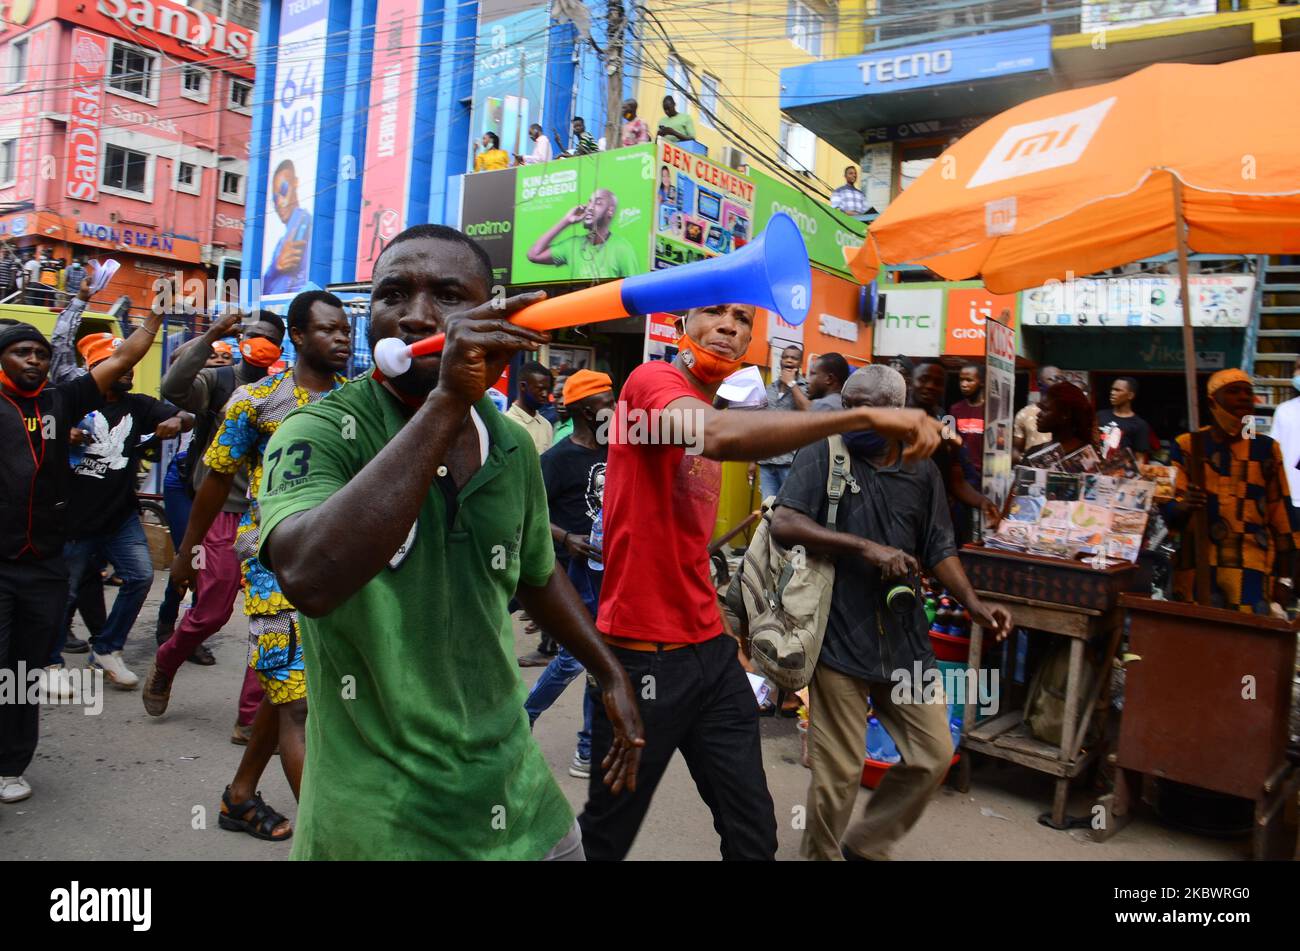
[[574, 472], [1134, 431], [104, 513], [35, 422], [892, 523]]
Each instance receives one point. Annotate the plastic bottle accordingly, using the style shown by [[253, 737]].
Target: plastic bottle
[[598, 541], [889, 751], [875, 744]]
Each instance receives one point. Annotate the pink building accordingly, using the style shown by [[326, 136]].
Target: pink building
[[124, 130]]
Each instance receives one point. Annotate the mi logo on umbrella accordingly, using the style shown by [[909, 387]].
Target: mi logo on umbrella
[[1042, 144]]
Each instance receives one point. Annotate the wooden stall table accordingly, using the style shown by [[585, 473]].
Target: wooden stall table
[[1207, 699], [1067, 598]]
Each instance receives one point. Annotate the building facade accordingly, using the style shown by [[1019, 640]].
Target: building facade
[[124, 133]]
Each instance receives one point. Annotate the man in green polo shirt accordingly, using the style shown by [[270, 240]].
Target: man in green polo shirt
[[675, 126], [596, 254], [401, 517]]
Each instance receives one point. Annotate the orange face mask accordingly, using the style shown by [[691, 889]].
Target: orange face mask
[[705, 365], [259, 351], [11, 385]]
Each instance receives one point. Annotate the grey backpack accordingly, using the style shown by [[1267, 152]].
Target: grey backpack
[[782, 597]]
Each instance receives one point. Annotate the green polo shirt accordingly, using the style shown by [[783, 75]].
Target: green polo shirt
[[419, 743]]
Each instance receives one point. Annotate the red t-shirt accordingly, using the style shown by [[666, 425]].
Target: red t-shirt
[[660, 508], [970, 424]]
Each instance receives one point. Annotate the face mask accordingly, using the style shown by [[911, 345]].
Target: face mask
[[705, 365], [1227, 422], [530, 401], [259, 351], [11, 385], [1295, 381], [865, 443]]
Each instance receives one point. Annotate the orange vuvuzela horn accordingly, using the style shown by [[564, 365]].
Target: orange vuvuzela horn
[[771, 271]]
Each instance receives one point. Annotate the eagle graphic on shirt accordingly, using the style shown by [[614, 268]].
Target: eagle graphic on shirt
[[107, 449]]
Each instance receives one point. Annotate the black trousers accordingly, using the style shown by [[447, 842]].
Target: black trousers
[[33, 599], [698, 700]]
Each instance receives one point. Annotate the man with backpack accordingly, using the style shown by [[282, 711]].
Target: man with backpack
[[204, 391], [891, 523]]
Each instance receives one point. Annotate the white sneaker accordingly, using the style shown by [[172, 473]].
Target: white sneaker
[[580, 768], [115, 669], [14, 789], [56, 688]]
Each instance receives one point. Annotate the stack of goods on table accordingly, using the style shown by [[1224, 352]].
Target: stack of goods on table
[[1100, 512]]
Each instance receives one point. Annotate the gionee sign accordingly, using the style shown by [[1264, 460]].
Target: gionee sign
[[170, 26]]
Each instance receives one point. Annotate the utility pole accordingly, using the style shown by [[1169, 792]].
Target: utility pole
[[614, 73]]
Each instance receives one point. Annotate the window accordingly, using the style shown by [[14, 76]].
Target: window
[[126, 170], [8, 162], [804, 27], [18, 62], [133, 72], [188, 177], [708, 99], [232, 187], [676, 84], [799, 147], [241, 96], [194, 83]]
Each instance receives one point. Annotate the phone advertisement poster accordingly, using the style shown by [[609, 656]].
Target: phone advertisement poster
[[295, 135], [509, 66]]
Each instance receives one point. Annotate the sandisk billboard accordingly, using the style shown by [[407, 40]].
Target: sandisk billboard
[[89, 53], [169, 27]]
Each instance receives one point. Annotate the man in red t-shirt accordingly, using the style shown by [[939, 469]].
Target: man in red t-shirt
[[969, 414], [658, 609]]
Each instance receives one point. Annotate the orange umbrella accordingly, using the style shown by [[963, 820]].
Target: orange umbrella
[[1171, 157], [1085, 179]]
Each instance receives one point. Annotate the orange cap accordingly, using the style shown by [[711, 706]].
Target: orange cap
[[1224, 377], [97, 347], [586, 383], [222, 347]]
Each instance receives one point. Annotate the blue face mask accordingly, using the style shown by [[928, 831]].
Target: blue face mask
[[865, 443], [530, 401], [1295, 381]]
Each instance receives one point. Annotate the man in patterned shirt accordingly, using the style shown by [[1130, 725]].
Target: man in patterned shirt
[[322, 335], [847, 197], [1244, 491]]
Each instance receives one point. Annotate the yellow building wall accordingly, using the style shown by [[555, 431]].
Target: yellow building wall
[[744, 44]]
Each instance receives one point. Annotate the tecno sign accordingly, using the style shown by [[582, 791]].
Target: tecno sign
[[906, 66], [188, 26], [89, 51]]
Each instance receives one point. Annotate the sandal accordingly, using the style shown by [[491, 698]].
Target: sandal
[[260, 826]]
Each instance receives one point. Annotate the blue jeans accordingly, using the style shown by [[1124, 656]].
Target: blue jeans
[[128, 550], [559, 673], [176, 503], [771, 479], [566, 668]]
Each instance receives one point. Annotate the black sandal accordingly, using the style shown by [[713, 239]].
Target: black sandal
[[261, 826]]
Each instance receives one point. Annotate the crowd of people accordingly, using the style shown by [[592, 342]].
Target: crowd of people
[[384, 530], [676, 127], [40, 279]]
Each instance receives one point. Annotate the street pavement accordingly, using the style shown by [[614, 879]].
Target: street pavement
[[124, 785]]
